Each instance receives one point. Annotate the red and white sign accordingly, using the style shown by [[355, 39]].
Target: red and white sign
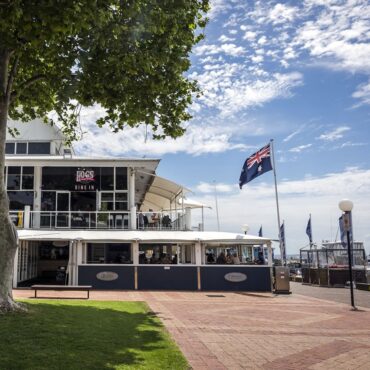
[[85, 176]]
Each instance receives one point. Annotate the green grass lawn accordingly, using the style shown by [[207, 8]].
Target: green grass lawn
[[74, 334]]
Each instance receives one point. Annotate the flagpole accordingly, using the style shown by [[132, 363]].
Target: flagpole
[[277, 200], [311, 232], [218, 218]]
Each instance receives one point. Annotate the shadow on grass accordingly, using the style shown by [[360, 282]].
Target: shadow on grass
[[86, 335]]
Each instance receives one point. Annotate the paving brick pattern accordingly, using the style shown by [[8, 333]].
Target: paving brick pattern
[[256, 331]]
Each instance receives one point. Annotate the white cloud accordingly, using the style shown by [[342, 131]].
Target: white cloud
[[363, 93], [228, 49], [300, 148], [255, 205], [281, 13], [230, 90], [289, 137], [208, 136], [335, 134], [224, 38], [214, 188], [250, 35]]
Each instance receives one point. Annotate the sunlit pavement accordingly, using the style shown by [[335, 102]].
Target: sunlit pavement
[[255, 331]]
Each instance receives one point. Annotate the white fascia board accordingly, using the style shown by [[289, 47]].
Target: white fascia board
[[60, 161]]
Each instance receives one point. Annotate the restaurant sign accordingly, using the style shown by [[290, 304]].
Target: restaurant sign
[[107, 276], [85, 179], [235, 277]]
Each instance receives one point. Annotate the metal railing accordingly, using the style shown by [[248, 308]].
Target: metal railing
[[120, 220], [171, 221]]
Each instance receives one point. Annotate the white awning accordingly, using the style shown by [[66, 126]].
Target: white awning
[[162, 195], [143, 236]]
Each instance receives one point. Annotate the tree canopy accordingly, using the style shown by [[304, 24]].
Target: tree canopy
[[127, 56]]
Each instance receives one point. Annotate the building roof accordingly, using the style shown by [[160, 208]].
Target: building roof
[[162, 195], [141, 236]]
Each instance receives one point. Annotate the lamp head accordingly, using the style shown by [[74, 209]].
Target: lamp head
[[345, 205], [245, 228]]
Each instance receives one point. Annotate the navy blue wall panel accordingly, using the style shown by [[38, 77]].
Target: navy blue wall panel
[[172, 278], [125, 280], [258, 279]]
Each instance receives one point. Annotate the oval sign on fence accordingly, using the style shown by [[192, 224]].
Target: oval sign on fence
[[235, 277], [107, 276]]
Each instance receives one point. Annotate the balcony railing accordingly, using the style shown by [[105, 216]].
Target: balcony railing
[[118, 220]]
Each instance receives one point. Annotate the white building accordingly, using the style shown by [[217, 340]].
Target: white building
[[114, 224]]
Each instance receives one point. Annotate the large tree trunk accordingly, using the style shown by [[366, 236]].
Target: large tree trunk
[[8, 233]]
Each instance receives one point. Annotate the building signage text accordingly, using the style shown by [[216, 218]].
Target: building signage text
[[85, 179], [235, 277], [107, 276]]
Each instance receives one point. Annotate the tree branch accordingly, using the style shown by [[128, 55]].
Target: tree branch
[[11, 77], [26, 84]]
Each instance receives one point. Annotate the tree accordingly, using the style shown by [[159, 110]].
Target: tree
[[129, 56]]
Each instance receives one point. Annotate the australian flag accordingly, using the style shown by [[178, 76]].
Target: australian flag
[[309, 230], [256, 165], [260, 232]]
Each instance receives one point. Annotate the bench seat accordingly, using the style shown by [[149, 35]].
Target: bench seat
[[86, 288]]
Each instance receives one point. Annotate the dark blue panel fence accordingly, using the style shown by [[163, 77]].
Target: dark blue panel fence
[[167, 278], [100, 277], [258, 279]]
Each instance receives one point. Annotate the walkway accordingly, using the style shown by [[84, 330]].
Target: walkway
[[341, 295], [258, 331]]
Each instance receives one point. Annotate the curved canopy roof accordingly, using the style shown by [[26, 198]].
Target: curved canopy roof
[[162, 194]]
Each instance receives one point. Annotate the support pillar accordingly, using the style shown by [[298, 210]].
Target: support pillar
[[132, 205], [187, 218], [37, 200]]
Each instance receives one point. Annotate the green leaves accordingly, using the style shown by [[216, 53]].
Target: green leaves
[[128, 56]]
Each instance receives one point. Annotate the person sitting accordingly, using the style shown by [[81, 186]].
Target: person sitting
[[235, 259], [210, 258], [166, 221], [260, 260], [221, 259], [229, 259]]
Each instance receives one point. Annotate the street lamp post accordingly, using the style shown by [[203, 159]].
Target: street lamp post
[[245, 228], [346, 206]]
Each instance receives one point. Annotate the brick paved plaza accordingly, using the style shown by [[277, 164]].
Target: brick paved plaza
[[256, 331]]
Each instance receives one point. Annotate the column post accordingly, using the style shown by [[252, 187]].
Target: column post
[[132, 205], [37, 201]]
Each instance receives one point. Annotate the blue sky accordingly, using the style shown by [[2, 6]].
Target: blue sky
[[294, 71]]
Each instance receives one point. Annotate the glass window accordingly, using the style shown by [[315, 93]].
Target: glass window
[[27, 178], [14, 178], [186, 253], [21, 148], [121, 202], [48, 200], [229, 255], [38, 148], [83, 201], [110, 253], [107, 201], [121, 178], [162, 254], [9, 148], [19, 199], [106, 178]]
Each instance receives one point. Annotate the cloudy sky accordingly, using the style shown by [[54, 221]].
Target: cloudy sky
[[297, 72]]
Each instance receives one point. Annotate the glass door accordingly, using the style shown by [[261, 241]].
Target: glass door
[[63, 206]]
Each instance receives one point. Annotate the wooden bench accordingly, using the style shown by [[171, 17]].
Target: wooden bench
[[86, 288]]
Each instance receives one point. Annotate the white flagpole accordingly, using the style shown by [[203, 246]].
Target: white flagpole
[[277, 200], [311, 238], [218, 218]]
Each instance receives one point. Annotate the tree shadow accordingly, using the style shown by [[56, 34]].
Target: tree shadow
[[86, 335]]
